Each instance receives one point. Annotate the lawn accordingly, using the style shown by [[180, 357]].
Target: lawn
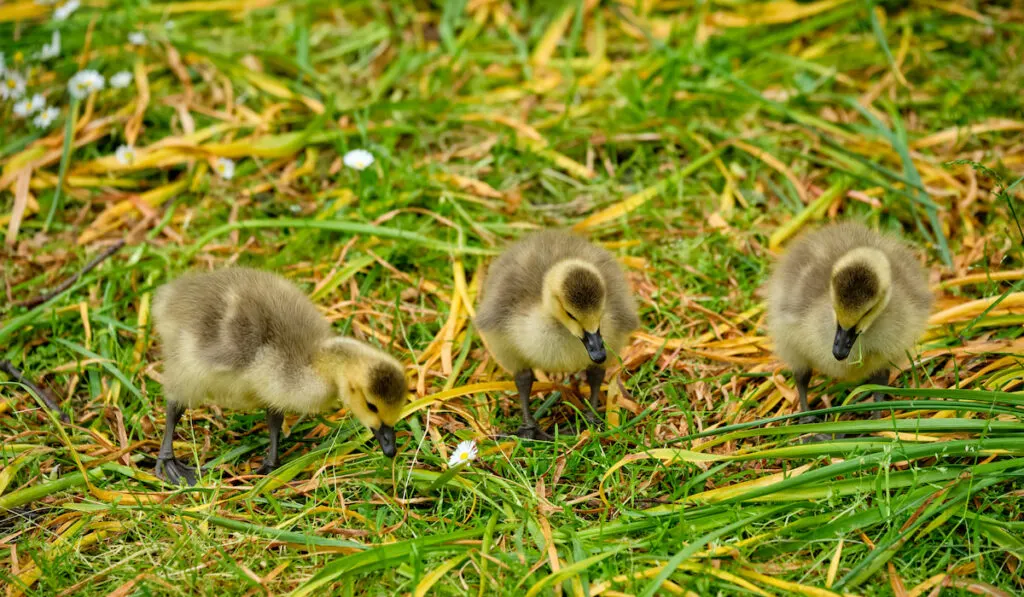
[[692, 139]]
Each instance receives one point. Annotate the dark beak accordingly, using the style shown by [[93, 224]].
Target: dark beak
[[386, 436], [843, 342], [595, 346]]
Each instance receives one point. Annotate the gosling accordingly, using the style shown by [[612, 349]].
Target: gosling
[[846, 288], [242, 338], [556, 303]]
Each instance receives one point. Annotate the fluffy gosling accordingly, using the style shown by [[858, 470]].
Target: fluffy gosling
[[245, 339], [553, 301], [841, 289]]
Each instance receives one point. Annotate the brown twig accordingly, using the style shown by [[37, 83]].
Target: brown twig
[[43, 394], [46, 296]]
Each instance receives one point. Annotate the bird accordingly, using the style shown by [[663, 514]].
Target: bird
[[555, 302], [846, 289], [244, 338]]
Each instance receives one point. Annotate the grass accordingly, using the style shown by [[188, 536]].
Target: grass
[[693, 139]]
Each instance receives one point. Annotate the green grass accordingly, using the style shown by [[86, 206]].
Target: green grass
[[722, 134]]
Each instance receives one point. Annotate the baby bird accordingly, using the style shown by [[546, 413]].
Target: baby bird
[[553, 302], [243, 338], [846, 288]]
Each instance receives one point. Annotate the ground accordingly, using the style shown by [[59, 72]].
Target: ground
[[693, 139]]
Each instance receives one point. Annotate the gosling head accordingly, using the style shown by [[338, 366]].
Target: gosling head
[[574, 294], [373, 386], [861, 286]]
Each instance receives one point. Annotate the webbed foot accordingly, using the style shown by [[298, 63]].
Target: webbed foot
[[594, 420], [533, 432], [266, 468], [175, 471]]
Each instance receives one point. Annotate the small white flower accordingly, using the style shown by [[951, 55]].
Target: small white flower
[[38, 102], [23, 108], [225, 167], [12, 86], [125, 155], [121, 80], [85, 82], [358, 159], [65, 10], [137, 38], [169, 25], [3, 64], [464, 453], [52, 49], [45, 118]]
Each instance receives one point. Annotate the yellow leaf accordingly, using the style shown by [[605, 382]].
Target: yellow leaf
[[21, 11], [772, 13]]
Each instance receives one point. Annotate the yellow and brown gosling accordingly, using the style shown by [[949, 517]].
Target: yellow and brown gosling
[[555, 302], [243, 338], [849, 302]]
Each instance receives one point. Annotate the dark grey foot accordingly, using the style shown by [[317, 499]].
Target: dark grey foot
[[594, 420], [533, 432], [175, 471], [266, 468], [817, 437]]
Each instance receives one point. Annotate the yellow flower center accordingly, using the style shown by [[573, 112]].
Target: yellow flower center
[[464, 456], [11, 84], [18, 57]]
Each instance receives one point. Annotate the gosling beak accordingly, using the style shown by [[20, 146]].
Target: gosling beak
[[844, 342], [385, 434], [595, 346]]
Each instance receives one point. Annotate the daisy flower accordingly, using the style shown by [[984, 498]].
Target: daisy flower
[[52, 49], [45, 118], [225, 167], [12, 86], [358, 159], [137, 38], [464, 453], [38, 102], [65, 10], [85, 82], [121, 80], [23, 108], [125, 155]]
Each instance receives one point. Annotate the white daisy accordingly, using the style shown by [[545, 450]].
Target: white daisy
[[85, 82], [23, 108], [358, 159], [137, 38], [125, 155], [121, 80], [12, 86], [65, 10], [225, 167], [45, 118], [38, 102], [52, 49], [464, 453]]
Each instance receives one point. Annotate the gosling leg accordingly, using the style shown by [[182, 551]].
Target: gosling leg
[[803, 380], [595, 375], [168, 467], [270, 461], [879, 378], [529, 428]]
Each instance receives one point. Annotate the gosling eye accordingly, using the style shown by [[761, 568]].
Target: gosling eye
[[372, 407], [571, 316]]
